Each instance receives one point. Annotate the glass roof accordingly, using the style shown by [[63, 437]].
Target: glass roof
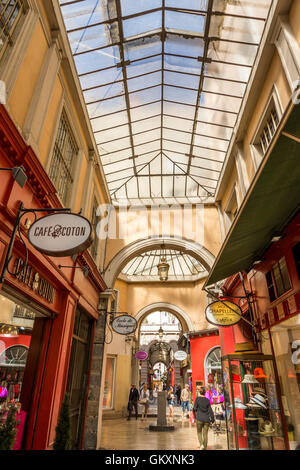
[[144, 267], [163, 84]]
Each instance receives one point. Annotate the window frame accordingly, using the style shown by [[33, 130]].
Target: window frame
[[272, 283], [14, 30]]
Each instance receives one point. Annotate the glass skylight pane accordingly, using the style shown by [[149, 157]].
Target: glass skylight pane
[[179, 110], [146, 124], [114, 146], [100, 78], [145, 81], [213, 131], [224, 103], [145, 111], [105, 107], [145, 96], [96, 60], [104, 92], [254, 8], [179, 94], [130, 7], [144, 187], [116, 133], [208, 154], [167, 185], [80, 14], [203, 163], [151, 64], [224, 86], [185, 46], [109, 121], [178, 123], [132, 188], [115, 157], [243, 54], [190, 4], [210, 143], [185, 21], [217, 117], [180, 79], [209, 174], [145, 23], [142, 160], [147, 136], [142, 48], [119, 166], [90, 38], [177, 157], [236, 29], [181, 64], [119, 175], [183, 148], [227, 72], [177, 135], [147, 147]]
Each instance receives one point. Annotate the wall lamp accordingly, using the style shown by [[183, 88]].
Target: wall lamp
[[18, 174]]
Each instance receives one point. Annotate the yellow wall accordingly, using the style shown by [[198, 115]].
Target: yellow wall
[[123, 379], [28, 76], [294, 19]]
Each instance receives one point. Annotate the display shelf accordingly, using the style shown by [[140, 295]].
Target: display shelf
[[252, 407]]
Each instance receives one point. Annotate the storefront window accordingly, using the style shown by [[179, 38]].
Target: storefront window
[[16, 324], [109, 382], [286, 342]]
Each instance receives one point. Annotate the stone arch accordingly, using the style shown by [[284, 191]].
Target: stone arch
[[199, 252], [180, 314]]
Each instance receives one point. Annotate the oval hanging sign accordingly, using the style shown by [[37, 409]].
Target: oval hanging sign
[[61, 234], [141, 355], [180, 355], [223, 313], [124, 324]]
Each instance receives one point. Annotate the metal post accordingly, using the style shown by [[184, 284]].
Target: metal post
[[11, 243]]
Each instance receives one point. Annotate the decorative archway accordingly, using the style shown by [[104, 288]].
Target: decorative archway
[[192, 248], [182, 316]]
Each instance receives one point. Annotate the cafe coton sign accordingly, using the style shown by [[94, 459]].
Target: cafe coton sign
[[223, 313], [61, 234]]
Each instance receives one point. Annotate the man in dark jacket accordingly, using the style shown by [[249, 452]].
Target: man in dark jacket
[[133, 399], [204, 416]]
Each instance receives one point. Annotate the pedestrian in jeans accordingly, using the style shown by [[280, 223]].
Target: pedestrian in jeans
[[185, 400], [133, 399], [204, 416]]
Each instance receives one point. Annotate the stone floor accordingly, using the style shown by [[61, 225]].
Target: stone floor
[[120, 434]]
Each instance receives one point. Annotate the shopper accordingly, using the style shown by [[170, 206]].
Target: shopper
[[155, 390], [171, 403], [185, 400], [178, 394], [133, 401], [144, 401], [204, 416]]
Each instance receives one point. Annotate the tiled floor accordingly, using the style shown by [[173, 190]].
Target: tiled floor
[[120, 434]]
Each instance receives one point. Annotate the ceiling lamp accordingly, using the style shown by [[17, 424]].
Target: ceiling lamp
[[160, 333], [163, 269]]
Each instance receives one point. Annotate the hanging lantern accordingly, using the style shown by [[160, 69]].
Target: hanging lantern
[[160, 333], [163, 269]]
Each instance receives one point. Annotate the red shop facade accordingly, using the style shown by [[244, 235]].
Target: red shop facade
[[47, 315]]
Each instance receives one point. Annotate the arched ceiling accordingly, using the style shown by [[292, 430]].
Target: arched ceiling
[[164, 82]]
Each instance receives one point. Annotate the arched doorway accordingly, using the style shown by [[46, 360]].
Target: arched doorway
[[213, 367]]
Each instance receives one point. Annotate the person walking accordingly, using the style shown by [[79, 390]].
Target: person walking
[[171, 403], [185, 400], [178, 394], [155, 395], [144, 401], [204, 416], [133, 399]]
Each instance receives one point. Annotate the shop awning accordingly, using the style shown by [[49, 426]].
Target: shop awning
[[272, 200]]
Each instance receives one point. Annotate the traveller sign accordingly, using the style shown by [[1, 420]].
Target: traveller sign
[[124, 324], [223, 313], [61, 234], [180, 355], [141, 355]]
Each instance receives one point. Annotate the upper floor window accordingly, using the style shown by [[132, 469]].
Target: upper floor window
[[62, 163], [268, 131], [10, 13], [278, 280]]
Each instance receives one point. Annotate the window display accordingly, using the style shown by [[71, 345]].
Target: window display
[[109, 382], [253, 412], [286, 342]]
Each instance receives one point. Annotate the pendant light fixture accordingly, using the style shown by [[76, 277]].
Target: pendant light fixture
[[163, 268]]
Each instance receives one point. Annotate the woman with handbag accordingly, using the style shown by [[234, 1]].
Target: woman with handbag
[[204, 417], [171, 403], [144, 401]]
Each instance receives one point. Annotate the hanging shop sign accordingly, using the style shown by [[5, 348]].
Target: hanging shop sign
[[61, 234], [223, 313], [141, 355], [124, 324], [180, 355]]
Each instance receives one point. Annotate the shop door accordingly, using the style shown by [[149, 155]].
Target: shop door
[[78, 374]]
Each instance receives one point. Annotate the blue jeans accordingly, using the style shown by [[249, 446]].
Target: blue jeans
[[185, 405]]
